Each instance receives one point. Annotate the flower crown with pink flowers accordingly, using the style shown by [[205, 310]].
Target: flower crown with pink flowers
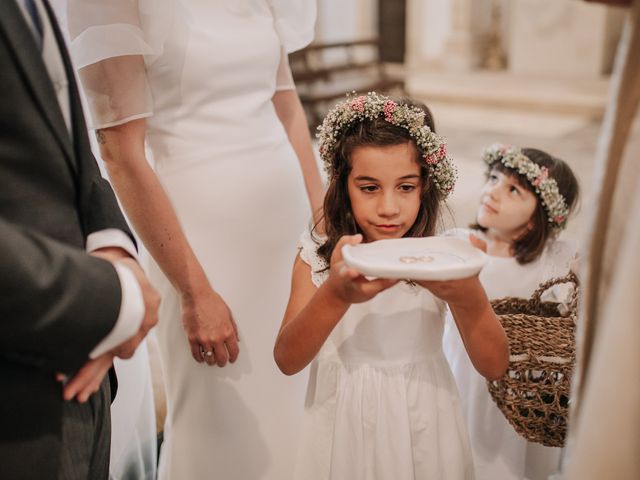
[[545, 187], [373, 105]]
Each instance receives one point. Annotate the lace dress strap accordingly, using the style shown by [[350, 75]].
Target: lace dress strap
[[308, 248]]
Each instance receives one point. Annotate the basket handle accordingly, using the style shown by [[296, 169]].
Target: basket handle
[[543, 287]]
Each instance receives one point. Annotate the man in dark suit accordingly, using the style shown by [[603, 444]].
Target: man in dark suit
[[71, 295]]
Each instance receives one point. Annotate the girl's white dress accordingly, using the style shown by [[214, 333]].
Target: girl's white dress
[[498, 451], [381, 402], [223, 157]]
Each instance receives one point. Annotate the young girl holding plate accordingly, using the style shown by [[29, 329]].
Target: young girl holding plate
[[382, 402]]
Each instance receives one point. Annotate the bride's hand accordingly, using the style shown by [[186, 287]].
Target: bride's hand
[[211, 330]]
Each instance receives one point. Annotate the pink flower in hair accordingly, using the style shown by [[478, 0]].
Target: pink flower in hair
[[389, 108], [439, 154], [431, 159], [558, 219], [544, 174], [357, 104]]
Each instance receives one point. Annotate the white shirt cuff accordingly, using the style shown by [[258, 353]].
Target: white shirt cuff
[[111, 237], [130, 316]]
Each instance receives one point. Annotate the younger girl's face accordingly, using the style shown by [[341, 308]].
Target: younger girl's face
[[384, 188], [506, 207]]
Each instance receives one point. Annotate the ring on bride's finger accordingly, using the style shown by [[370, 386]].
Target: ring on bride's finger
[[209, 353]]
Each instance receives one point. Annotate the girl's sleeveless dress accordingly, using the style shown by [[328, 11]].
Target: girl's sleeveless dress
[[381, 401]]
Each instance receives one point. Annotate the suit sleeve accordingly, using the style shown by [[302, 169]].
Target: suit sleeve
[[100, 209], [97, 203], [58, 301]]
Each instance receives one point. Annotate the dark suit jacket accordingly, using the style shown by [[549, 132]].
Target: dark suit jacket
[[56, 302]]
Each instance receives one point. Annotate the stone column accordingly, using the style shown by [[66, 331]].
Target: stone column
[[566, 38], [471, 22]]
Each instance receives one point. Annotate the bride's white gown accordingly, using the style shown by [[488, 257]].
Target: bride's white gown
[[233, 178]]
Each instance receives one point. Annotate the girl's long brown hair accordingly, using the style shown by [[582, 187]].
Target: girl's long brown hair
[[337, 214]]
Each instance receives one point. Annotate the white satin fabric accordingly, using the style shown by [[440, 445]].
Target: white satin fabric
[[204, 72], [499, 452], [381, 401]]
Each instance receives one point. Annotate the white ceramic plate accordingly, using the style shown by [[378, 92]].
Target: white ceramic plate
[[429, 258]]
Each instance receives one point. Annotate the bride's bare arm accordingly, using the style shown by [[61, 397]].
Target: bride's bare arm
[[291, 114], [205, 316]]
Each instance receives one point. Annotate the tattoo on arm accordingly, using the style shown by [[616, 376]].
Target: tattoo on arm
[[100, 137]]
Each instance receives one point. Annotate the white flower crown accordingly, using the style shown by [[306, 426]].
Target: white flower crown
[[545, 187], [373, 105]]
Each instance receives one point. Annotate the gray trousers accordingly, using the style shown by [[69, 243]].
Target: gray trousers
[[86, 437]]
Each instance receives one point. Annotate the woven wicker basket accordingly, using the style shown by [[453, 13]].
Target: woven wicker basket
[[534, 393]]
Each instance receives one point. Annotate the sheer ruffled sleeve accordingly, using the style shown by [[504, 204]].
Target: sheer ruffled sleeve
[[112, 42], [294, 21], [284, 77]]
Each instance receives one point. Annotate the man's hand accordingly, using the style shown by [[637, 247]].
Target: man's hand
[[87, 380]]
